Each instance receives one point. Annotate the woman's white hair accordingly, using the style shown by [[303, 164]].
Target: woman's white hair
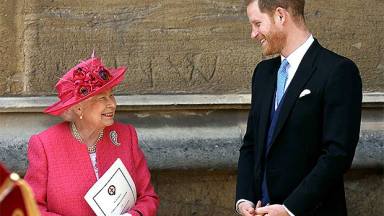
[[69, 115]]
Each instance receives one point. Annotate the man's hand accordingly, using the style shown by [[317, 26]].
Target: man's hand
[[272, 210], [246, 209], [258, 205]]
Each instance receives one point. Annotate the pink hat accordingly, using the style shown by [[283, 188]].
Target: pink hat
[[83, 81]]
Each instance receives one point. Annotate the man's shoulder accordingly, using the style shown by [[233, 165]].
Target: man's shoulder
[[266, 65], [331, 58], [269, 62]]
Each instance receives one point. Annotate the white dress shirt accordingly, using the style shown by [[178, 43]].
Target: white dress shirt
[[294, 60]]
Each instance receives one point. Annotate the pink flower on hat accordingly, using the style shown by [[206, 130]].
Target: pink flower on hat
[[89, 79], [85, 80]]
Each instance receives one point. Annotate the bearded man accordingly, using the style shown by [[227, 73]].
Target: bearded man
[[304, 122]]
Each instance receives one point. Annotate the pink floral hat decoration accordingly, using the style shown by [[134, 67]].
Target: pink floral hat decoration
[[83, 81]]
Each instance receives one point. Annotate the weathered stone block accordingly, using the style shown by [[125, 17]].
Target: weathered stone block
[[200, 193], [11, 77], [364, 192], [184, 46], [168, 46], [354, 29]]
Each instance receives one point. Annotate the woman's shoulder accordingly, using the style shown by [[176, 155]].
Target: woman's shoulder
[[49, 137], [119, 126], [126, 131], [54, 130]]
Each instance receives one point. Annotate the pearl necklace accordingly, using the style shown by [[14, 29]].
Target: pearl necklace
[[76, 134]]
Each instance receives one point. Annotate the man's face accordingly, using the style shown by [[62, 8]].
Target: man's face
[[265, 30]]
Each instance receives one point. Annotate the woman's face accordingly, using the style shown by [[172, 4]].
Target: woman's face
[[99, 110]]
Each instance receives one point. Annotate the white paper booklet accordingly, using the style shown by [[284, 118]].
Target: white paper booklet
[[114, 193]]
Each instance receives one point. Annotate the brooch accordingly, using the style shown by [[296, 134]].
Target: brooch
[[113, 136]]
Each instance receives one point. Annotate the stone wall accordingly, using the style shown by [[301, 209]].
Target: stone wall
[[169, 46]]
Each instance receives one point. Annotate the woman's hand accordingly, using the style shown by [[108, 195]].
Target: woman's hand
[[247, 209]]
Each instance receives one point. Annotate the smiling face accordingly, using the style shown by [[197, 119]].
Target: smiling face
[[265, 30], [99, 110]]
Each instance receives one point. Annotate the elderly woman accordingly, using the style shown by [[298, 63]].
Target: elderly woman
[[67, 159]]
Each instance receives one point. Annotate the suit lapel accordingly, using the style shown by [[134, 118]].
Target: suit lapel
[[265, 101], [303, 73]]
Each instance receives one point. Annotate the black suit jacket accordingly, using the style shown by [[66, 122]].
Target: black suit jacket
[[315, 137]]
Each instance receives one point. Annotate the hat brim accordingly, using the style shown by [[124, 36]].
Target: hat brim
[[59, 107]]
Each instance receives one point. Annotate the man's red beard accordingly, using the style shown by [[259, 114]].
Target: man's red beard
[[274, 43]]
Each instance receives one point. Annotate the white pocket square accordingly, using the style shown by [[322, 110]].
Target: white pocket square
[[305, 92]]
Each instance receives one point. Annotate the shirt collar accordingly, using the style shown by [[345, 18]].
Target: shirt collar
[[296, 56]]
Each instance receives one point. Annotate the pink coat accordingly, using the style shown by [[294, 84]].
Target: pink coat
[[60, 171]]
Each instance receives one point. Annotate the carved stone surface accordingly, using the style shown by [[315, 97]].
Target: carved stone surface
[[169, 46], [11, 67], [353, 29]]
